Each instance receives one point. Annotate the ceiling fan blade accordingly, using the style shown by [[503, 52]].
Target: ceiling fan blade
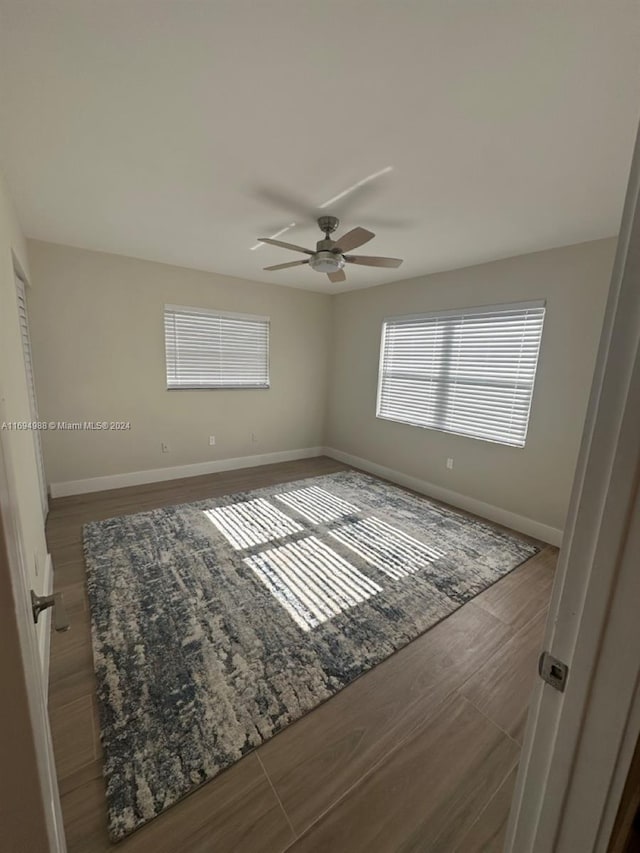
[[354, 238], [285, 245], [336, 276], [288, 202], [368, 261], [286, 266]]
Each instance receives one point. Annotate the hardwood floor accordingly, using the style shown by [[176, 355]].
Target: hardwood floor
[[419, 754]]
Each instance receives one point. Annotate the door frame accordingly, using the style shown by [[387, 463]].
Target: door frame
[[579, 744]]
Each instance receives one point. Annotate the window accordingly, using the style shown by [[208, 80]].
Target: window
[[469, 372], [214, 349]]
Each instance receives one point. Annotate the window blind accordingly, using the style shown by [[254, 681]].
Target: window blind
[[468, 372], [23, 319], [215, 349]]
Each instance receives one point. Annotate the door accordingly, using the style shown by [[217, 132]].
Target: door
[[29, 801], [23, 317], [579, 743]]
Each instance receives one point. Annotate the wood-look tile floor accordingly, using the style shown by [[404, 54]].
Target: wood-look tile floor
[[419, 754]]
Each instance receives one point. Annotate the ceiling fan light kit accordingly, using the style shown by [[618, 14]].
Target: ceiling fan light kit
[[326, 261], [329, 256]]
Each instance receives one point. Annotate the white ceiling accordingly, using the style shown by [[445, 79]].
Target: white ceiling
[[172, 130]]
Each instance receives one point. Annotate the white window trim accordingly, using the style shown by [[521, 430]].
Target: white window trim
[[458, 312], [476, 309], [232, 315]]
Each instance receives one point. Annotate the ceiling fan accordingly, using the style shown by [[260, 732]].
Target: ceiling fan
[[330, 255]]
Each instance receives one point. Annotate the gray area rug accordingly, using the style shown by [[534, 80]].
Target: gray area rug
[[216, 624]]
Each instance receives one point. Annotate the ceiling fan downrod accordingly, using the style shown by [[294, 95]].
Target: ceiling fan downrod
[[328, 224]]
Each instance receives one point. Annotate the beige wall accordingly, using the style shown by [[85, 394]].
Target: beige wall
[[18, 447], [533, 481], [98, 344], [103, 359]]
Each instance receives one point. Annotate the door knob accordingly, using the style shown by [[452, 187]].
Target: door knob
[[42, 602]]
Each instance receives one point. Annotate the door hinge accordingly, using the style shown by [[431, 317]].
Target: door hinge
[[553, 671]]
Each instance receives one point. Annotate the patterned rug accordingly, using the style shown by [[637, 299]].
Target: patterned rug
[[218, 623]]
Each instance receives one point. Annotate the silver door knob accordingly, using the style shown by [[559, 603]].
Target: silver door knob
[[42, 602]]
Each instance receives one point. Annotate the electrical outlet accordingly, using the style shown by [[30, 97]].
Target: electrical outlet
[[450, 463], [165, 447], [254, 437], [212, 440]]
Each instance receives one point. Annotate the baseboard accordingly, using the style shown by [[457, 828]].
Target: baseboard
[[529, 526], [158, 475], [521, 523], [44, 627]]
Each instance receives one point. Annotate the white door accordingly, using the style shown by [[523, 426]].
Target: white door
[[23, 317], [29, 802], [579, 743]]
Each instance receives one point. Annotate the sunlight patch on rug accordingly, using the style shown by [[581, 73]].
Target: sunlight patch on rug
[[311, 581], [251, 523], [392, 551], [317, 505]]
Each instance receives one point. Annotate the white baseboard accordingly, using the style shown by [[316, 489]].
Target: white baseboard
[[521, 523], [44, 627], [529, 526], [158, 475]]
